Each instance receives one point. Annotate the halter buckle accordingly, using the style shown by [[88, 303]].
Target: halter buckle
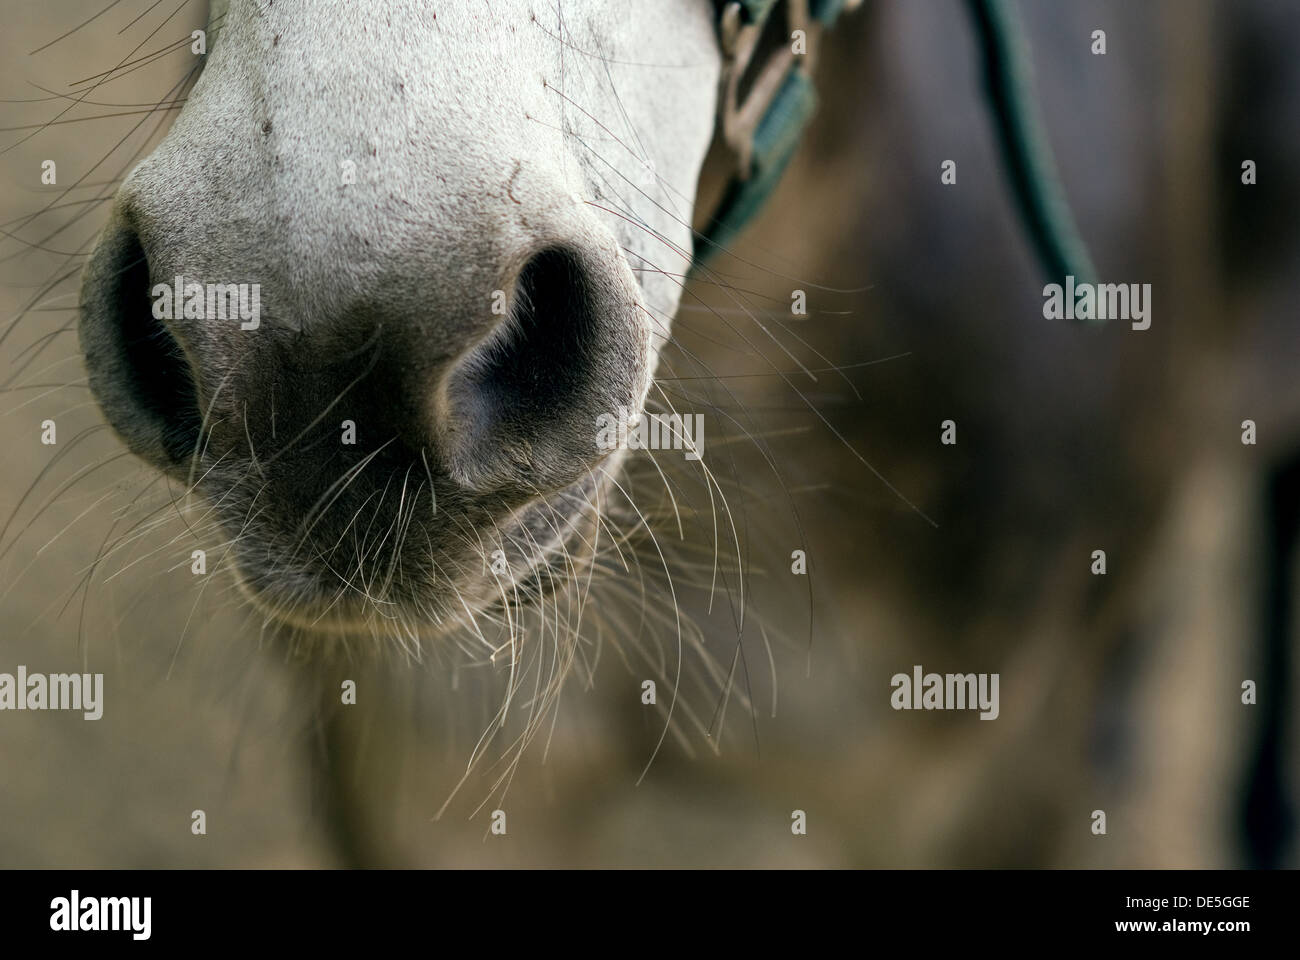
[[739, 41]]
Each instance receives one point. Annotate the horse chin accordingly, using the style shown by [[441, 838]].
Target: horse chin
[[320, 603]]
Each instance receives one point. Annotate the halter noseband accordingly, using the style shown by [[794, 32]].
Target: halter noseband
[[762, 128]]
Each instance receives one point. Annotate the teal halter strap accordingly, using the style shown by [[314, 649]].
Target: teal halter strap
[[764, 143], [1026, 153]]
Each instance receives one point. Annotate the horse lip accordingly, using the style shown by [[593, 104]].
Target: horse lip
[[328, 613]]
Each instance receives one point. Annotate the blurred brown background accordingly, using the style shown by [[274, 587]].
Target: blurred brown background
[[1119, 693]]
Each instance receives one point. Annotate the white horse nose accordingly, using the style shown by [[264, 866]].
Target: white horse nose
[[534, 351]]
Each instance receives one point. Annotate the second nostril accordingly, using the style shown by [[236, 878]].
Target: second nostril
[[137, 369], [534, 363], [520, 409]]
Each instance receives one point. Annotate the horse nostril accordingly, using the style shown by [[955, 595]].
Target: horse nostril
[[519, 411], [533, 363], [136, 366]]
